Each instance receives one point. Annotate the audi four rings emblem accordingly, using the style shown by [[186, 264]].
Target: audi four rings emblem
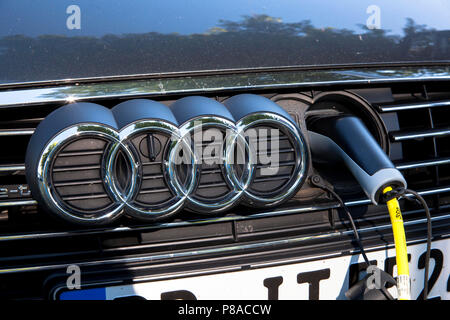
[[89, 164]]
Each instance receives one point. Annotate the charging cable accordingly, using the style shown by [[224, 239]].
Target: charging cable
[[317, 181], [391, 197], [401, 254]]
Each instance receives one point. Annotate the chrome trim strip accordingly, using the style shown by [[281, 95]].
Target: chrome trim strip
[[421, 134], [214, 83], [358, 202], [433, 191], [225, 249], [162, 225], [329, 256], [16, 132], [10, 203], [178, 254], [12, 167], [420, 164], [301, 209], [402, 107]]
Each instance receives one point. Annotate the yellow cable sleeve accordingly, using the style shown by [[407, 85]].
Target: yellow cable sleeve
[[403, 282]]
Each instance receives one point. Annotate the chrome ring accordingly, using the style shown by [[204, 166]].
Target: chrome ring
[[148, 212], [231, 136], [301, 161], [47, 191]]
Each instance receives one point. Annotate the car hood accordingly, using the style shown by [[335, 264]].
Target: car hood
[[48, 40]]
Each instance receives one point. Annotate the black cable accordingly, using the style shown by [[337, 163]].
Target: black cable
[[429, 236], [318, 183]]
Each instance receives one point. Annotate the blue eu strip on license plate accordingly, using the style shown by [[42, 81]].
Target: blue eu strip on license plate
[[84, 294]]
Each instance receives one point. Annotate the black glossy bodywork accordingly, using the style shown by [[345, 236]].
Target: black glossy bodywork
[[117, 38]]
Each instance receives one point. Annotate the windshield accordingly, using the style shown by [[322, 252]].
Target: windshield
[[53, 40]]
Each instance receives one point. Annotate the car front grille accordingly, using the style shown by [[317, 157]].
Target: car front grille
[[420, 138], [34, 246]]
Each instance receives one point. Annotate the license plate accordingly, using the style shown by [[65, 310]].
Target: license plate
[[322, 278]]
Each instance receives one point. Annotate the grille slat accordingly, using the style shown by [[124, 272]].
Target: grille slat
[[413, 106], [280, 164], [402, 136], [151, 163], [152, 176], [154, 190], [257, 140], [12, 203], [76, 168], [12, 167], [213, 184], [81, 153], [211, 171], [17, 132], [85, 197], [274, 178], [420, 164], [77, 183], [266, 152]]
